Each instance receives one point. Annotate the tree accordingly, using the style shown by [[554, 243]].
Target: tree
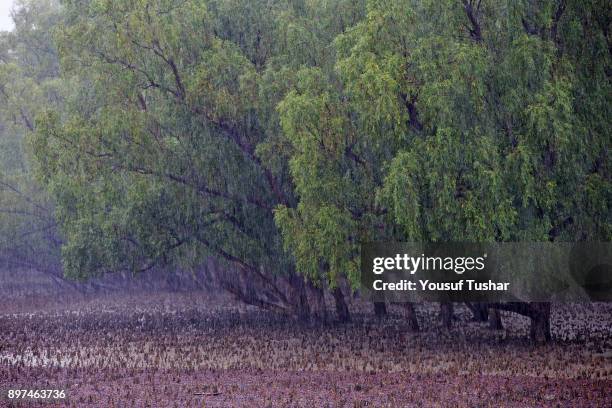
[[169, 151], [278, 136], [29, 72], [452, 121]]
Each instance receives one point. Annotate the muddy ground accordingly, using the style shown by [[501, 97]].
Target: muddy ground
[[195, 349]]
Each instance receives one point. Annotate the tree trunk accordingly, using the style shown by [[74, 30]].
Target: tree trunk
[[539, 313], [479, 311], [319, 309], [342, 310], [251, 288], [380, 309], [301, 305], [411, 316], [446, 314], [495, 322], [540, 323]]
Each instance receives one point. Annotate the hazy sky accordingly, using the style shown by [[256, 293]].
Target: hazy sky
[[6, 23]]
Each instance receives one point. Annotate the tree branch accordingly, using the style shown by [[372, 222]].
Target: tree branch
[[475, 31]]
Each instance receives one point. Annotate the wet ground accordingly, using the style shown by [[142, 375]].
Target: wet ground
[[193, 350]]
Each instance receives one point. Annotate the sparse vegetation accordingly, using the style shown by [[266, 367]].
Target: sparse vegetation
[[163, 349]]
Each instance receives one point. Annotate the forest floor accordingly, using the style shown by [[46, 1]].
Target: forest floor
[[193, 349]]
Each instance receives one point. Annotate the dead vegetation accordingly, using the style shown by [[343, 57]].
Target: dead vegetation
[[192, 349]]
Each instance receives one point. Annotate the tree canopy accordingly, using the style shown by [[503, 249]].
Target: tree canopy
[[452, 121], [278, 136]]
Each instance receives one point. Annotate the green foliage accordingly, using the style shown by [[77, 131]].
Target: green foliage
[[171, 151], [29, 82], [280, 135], [473, 121]]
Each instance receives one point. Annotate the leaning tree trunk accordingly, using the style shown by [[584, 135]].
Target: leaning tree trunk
[[495, 322], [253, 287], [380, 309], [446, 314], [342, 310], [540, 323], [411, 316]]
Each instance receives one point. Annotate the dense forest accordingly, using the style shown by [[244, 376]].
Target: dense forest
[[275, 137]]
